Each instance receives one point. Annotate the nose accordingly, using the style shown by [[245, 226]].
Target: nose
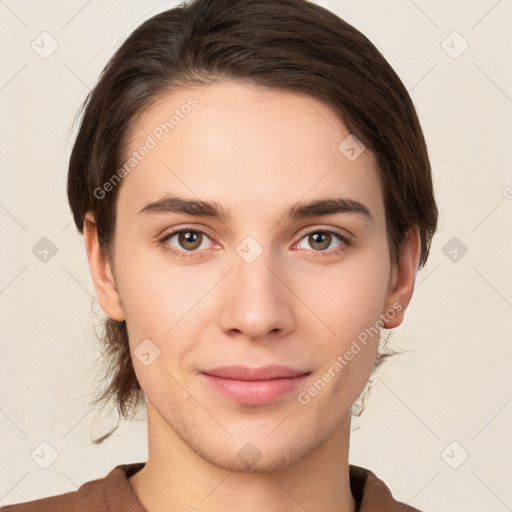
[[255, 298]]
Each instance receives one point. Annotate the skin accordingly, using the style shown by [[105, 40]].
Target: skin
[[254, 151]]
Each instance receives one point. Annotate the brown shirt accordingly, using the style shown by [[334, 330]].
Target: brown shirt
[[113, 493]]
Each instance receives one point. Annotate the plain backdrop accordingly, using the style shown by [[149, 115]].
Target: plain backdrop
[[437, 427]]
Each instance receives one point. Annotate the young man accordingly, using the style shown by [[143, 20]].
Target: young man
[[255, 194]]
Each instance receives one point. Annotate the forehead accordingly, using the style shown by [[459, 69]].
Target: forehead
[[244, 146]]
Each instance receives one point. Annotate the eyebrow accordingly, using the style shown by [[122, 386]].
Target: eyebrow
[[316, 208]]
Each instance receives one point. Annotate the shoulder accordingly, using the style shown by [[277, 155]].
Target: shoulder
[[95, 495], [67, 501], [371, 493]]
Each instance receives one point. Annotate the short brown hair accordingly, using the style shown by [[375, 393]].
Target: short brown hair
[[292, 45]]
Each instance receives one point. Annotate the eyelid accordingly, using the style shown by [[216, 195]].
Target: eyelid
[[329, 229]]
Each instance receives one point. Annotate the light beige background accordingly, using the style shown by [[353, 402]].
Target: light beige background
[[453, 385]]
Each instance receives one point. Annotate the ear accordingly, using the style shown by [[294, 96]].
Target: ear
[[101, 271], [403, 278]]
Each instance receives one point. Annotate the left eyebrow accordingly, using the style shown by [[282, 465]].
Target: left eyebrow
[[324, 207], [316, 208]]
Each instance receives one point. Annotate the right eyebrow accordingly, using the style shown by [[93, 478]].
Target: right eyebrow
[[174, 204]]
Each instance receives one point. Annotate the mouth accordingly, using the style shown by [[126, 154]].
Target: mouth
[[255, 386]]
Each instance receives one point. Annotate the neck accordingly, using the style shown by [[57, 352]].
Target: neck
[[175, 478]]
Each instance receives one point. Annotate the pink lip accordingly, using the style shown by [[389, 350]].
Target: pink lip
[[255, 386]]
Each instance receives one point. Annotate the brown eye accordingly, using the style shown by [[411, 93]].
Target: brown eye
[[190, 240], [320, 240]]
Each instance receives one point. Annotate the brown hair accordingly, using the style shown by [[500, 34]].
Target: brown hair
[[293, 45]]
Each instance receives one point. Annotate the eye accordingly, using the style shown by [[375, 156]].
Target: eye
[[321, 239], [187, 240]]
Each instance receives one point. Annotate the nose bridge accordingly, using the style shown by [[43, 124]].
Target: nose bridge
[[255, 298], [254, 270]]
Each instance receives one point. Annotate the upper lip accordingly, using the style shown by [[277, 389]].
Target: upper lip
[[239, 372]]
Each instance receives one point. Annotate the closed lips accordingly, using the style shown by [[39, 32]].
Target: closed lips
[[269, 372]]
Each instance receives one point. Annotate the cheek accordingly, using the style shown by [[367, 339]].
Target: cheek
[[345, 298], [163, 303], [347, 302], [155, 293], [349, 355]]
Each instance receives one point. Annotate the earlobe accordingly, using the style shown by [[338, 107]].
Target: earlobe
[[403, 280], [102, 275]]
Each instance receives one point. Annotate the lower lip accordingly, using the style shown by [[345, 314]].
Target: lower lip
[[256, 392]]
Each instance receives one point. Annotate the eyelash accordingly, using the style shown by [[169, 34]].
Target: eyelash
[[190, 254]]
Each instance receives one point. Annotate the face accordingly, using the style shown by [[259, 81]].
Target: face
[[254, 287]]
